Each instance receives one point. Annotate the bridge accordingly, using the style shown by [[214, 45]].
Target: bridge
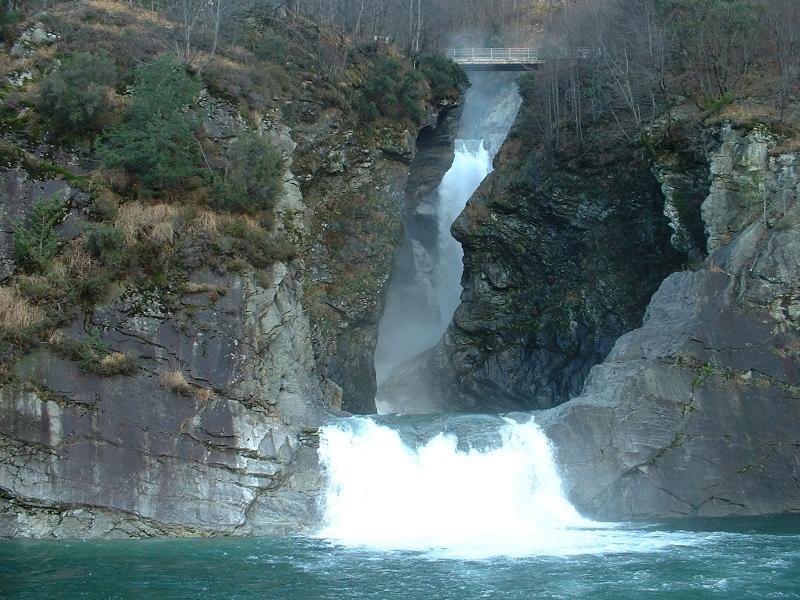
[[511, 59]]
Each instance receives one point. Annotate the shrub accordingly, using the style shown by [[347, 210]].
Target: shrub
[[446, 78], [254, 176], [93, 355], [156, 143], [9, 19], [107, 243], [176, 382], [391, 91], [36, 244], [76, 97], [271, 48]]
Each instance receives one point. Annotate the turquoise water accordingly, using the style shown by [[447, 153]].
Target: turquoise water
[[732, 558]]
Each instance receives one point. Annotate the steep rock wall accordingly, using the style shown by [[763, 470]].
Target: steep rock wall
[[696, 413], [560, 259]]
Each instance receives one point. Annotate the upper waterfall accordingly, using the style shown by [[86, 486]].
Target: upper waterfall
[[426, 283]]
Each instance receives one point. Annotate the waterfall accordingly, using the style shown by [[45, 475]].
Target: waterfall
[[413, 324], [471, 165], [425, 288], [488, 487]]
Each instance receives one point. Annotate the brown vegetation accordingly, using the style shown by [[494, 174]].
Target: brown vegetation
[[17, 315], [175, 381]]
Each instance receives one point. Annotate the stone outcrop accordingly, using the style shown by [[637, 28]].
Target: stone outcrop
[[208, 423], [696, 413], [226, 452], [560, 259], [413, 318], [359, 193]]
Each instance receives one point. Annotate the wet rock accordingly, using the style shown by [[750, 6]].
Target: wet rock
[[127, 450], [696, 413], [560, 259]]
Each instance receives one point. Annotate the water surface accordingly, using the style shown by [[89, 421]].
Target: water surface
[[732, 558]]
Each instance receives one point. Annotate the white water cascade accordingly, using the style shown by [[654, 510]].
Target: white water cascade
[[410, 327], [471, 165], [502, 500]]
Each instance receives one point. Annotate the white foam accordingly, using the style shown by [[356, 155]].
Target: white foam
[[506, 501]]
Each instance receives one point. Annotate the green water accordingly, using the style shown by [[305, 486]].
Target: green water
[[754, 558]]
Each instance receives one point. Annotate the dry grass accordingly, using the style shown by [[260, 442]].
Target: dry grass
[[748, 116], [175, 381], [116, 361], [74, 262], [156, 222], [204, 394], [792, 145], [112, 179], [206, 224], [162, 233], [213, 290], [17, 315]]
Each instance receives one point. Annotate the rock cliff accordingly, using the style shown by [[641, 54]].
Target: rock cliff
[[185, 399], [696, 413], [560, 258]]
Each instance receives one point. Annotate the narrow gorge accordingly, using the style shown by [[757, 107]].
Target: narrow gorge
[[425, 300]]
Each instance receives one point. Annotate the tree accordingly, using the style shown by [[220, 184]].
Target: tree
[[76, 97], [715, 43], [157, 142], [253, 176], [36, 244]]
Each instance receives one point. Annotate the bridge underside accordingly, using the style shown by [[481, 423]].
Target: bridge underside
[[498, 67]]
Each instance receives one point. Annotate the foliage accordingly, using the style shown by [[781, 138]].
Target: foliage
[[391, 91], [107, 243], [76, 97], [18, 316], [445, 77], [156, 143], [271, 48], [715, 41], [253, 178], [8, 20], [93, 356], [36, 244]]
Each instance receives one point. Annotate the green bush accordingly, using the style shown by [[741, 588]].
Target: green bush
[[76, 98], [94, 356], [391, 91], [107, 243], [157, 141], [36, 244], [271, 48], [9, 18], [254, 176], [446, 78]]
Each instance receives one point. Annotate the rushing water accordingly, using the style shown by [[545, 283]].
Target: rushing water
[[418, 310], [431, 508], [425, 287]]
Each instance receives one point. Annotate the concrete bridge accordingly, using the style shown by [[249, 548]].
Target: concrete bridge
[[510, 59]]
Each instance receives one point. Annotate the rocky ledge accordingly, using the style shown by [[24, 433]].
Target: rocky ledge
[[697, 413]]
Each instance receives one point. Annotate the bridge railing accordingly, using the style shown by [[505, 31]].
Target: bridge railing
[[515, 55]]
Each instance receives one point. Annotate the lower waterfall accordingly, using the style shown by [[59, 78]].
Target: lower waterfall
[[482, 486]]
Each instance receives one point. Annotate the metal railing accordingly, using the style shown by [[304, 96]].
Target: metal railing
[[514, 56]]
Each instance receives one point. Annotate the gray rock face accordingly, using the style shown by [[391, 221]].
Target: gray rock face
[[231, 453], [560, 259], [697, 412], [359, 199]]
